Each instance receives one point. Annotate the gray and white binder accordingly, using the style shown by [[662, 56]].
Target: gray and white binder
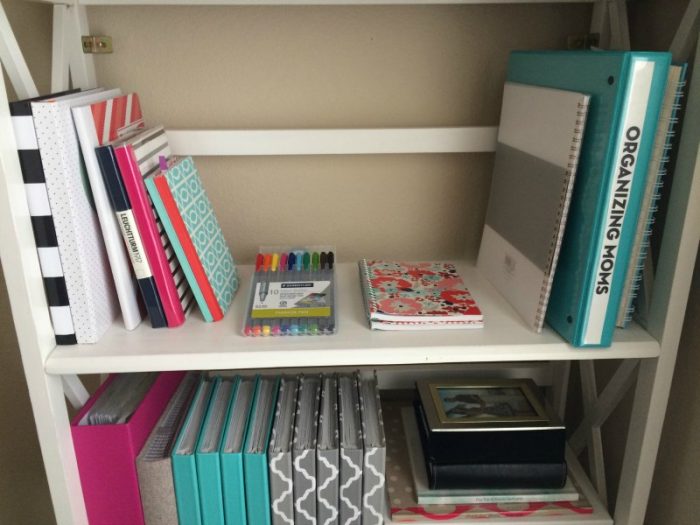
[[350, 451], [328, 455], [280, 454], [374, 443], [304, 450], [153, 464]]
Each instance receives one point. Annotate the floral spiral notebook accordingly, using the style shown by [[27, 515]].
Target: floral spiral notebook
[[417, 295]]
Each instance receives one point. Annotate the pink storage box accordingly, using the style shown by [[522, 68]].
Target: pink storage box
[[106, 455]]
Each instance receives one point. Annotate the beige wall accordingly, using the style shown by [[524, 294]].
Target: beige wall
[[302, 67]]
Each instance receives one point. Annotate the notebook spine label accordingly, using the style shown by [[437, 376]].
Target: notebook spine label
[[564, 204]]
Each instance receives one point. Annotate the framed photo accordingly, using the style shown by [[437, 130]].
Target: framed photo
[[474, 404]]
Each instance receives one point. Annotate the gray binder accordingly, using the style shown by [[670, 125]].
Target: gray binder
[[374, 443], [328, 455], [153, 464], [350, 451], [280, 455], [304, 450]]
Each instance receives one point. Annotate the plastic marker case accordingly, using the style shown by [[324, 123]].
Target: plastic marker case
[[292, 292]]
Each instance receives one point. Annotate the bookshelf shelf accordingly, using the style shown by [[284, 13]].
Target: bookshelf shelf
[[200, 345], [505, 343]]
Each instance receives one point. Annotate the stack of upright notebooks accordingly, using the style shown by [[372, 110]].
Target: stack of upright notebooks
[[233, 450], [489, 435]]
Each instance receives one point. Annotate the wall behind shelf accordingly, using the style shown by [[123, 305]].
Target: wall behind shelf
[[326, 67]]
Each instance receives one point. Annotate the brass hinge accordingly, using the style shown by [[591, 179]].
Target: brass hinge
[[587, 41], [97, 44]]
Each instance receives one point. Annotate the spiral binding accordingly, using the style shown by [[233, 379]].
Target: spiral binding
[[663, 144], [562, 211]]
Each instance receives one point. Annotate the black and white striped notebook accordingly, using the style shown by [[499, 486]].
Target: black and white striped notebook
[[42, 219]]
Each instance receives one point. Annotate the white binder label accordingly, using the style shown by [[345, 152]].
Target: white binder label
[[134, 245]]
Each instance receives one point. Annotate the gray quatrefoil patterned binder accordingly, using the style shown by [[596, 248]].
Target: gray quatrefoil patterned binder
[[304, 450], [328, 455], [374, 443], [280, 455], [351, 452]]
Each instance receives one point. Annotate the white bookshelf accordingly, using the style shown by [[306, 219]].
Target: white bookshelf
[[648, 356]]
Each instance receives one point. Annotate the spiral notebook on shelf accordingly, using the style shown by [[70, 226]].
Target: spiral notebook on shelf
[[663, 142], [539, 140], [417, 296]]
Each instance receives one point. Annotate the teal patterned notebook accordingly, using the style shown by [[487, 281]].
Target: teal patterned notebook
[[195, 233]]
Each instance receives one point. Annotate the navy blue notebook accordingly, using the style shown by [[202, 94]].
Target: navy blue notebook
[[134, 246]]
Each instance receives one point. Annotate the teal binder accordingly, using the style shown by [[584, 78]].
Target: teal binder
[[232, 479], [207, 455], [257, 489], [627, 90], [183, 461]]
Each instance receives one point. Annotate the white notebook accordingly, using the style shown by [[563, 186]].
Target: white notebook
[[539, 141]]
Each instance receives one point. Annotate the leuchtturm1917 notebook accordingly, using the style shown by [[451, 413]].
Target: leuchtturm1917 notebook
[[137, 158], [97, 124], [42, 218], [626, 90], [153, 464], [304, 450], [232, 478], [416, 296], [539, 140], [188, 216], [280, 454], [89, 281], [328, 454]]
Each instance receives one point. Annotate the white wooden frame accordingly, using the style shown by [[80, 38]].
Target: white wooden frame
[[652, 374]]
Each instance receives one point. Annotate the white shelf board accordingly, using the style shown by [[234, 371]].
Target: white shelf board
[[309, 2], [212, 346], [599, 516]]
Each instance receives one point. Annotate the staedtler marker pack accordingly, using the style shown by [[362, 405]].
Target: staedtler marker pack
[[292, 292]]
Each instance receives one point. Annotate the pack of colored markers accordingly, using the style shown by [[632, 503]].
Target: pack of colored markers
[[292, 292]]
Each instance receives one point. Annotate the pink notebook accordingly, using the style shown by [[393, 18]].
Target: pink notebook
[[138, 158], [106, 455]]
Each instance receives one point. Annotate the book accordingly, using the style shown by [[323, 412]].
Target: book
[[184, 463], [96, 124], [188, 216], [89, 283], [106, 453], [43, 225], [304, 450], [328, 454], [154, 465], [658, 163], [539, 140], [138, 159], [207, 454], [351, 451], [403, 504], [121, 206], [427, 496], [255, 452], [232, 477], [626, 90], [280, 453], [416, 295], [374, 444]]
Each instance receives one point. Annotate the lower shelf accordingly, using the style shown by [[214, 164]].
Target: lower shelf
[[530, 513], [221, 345]]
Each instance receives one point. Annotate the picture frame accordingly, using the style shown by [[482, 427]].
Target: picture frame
[[483, 404]]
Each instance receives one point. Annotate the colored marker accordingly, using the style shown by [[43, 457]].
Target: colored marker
[[289, 275], [330, 261], [249, 329], [313, 276], [295, 322]]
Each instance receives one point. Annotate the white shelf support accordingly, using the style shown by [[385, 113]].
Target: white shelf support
[[75, 391], [610, 21], [82, 66], [687, 33], [13, 60], [596, 459], [60, 56], [678, 252]]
